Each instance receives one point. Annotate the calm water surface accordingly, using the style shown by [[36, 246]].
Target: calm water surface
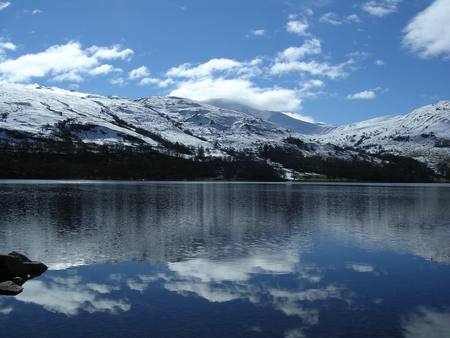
[[221, 260]]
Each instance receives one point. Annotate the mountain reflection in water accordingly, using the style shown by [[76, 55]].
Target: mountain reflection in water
[[216, 259]]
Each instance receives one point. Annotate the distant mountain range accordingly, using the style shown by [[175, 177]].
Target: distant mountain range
[[211, 138]]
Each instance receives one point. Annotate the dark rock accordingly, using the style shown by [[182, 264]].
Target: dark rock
[[18, 265], [9, 288], [15, 270]]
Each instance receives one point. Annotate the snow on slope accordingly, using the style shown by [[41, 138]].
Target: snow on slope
[[37, 111], [423, 134]]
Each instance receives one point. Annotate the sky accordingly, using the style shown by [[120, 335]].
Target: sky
[[332, 61]]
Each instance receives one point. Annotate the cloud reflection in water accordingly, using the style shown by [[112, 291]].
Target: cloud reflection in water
[[70, 295]]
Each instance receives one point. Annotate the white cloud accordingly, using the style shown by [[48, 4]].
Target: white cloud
[[379, 62], [358, 55], [259, 32], [233, 279], [4, 5], [231, 80], [6, 310], [311, 67], [291, 60], [62, 63], [110, 53], [68, 77], [310, 87], [331, 18], [428, 34], [364, 95], [380, 8], [118, 81], [301, 117], [151, 81], [104, 69], [240, 90], [364, 268], [353, 18], [310, 47], [295, 333], [312, 84], [6, 46], [70, 296], [36, 11], [297, 27], [215, 66], [138, 73], [309, 12]]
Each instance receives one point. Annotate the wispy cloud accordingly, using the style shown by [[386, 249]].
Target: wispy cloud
[[331, 18], [314, 68], [334, 19], [4, 5], [219, 65], [367, 94], [293, 60], [364, 95], [380, 8], [258, 32], [151, 81]]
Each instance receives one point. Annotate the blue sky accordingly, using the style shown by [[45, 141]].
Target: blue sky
[[333, 61]]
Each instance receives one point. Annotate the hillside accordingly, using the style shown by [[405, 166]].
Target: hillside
[[423, 134], [50, 132]]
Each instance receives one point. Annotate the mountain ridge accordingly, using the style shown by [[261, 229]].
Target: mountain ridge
[[35, 115]]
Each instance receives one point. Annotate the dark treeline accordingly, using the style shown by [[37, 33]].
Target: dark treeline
[[121, 163], [391, 169], [444, 169], [75, 160]]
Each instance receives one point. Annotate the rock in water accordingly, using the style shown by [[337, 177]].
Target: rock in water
[[9, 288], [18, 265], [15, 270]]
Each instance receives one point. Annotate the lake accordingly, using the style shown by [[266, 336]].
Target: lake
[[228, 259]]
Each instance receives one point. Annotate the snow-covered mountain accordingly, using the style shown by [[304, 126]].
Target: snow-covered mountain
[[40, 112], [172, 125], [35, 112], [423, 134]]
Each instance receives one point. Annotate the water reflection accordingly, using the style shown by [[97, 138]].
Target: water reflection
[[234, 259], [426, 322], [69, 296]]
